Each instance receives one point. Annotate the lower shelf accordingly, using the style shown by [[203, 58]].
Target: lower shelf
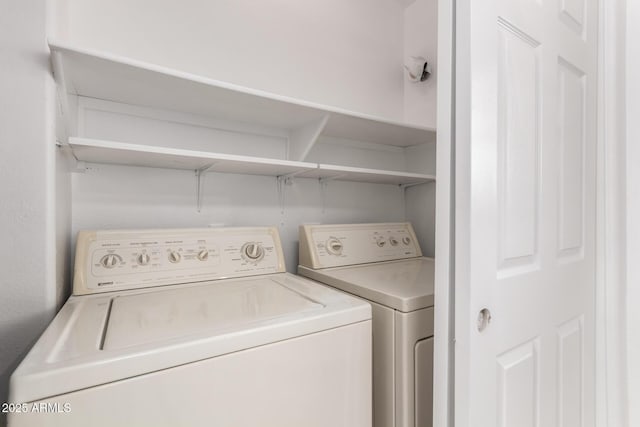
[[110, 152]]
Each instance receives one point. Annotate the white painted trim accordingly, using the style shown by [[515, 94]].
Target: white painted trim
[[611, 370], [631, 14], [443, 387]]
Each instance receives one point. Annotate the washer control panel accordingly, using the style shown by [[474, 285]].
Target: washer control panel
[[334, 245], [129, 259]]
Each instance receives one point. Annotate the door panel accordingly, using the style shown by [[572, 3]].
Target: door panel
[[570, 372], [518, 140], [518, 387], [525, 223], [572, 137]]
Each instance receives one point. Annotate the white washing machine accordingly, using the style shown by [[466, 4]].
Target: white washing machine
[[196, 327], [383, 264]]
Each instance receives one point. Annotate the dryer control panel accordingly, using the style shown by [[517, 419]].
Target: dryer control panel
[[129, 259], [335, 245]]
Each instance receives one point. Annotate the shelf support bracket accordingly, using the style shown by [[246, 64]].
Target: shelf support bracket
[[302, 139], [200, 174], [327, 179], [281, 182], [411, 184], [324, 183]]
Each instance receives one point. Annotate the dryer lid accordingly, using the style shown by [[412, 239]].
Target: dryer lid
[[404, 285]]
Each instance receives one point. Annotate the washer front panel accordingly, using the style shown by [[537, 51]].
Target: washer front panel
[[120, 260]]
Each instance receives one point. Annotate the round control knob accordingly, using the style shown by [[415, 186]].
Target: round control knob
[[143, 259], [110, 260], [393, 241], [381, 242], [406, 240], [203, 255], [334, 246], [252, 251], [174, 257]]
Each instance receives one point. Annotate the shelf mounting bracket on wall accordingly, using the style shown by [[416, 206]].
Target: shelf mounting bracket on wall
[[324, 182], [411, 184], [281, 182], [200, 174]]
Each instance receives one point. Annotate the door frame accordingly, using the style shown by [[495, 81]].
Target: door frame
[[444, 316], [611, 363]]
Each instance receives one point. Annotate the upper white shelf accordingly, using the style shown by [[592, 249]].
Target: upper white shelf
[[375, 176], [110, 152], [115, 78]]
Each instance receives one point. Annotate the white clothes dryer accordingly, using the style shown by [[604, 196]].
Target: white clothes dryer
[[383, 264], [196, 327]]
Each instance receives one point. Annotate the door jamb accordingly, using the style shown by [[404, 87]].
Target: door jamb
[[444, 362], [611, 393]]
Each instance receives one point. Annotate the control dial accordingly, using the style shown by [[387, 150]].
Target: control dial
[[393, 241], [203, 255], [380, 241], [175, 257], [110, 260], [143, 259], [252, 251], [334, 246], [406, 240]]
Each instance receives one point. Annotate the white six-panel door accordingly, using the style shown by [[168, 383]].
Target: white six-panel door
[[525, 212]]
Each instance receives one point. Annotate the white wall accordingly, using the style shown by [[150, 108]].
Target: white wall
[[633, 207], [110, 197], [342, 53], [32, 279], [130, 197], [347, 54], [421, 39]]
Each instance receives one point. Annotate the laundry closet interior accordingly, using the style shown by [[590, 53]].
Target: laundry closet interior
[[243, 113], [286, 86]]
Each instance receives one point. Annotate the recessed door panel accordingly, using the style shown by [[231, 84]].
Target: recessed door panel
[[572, 14], [518, 388], [518, 140], [570, 372], [572, 136]]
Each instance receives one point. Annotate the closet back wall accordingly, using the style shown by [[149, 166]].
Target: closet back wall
[[347, 54]]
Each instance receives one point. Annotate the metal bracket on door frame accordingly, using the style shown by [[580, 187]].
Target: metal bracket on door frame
[[200, 173]]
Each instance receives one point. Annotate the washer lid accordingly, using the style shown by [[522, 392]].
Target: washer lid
[[163, 315], [101, 338], [405, 285]]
